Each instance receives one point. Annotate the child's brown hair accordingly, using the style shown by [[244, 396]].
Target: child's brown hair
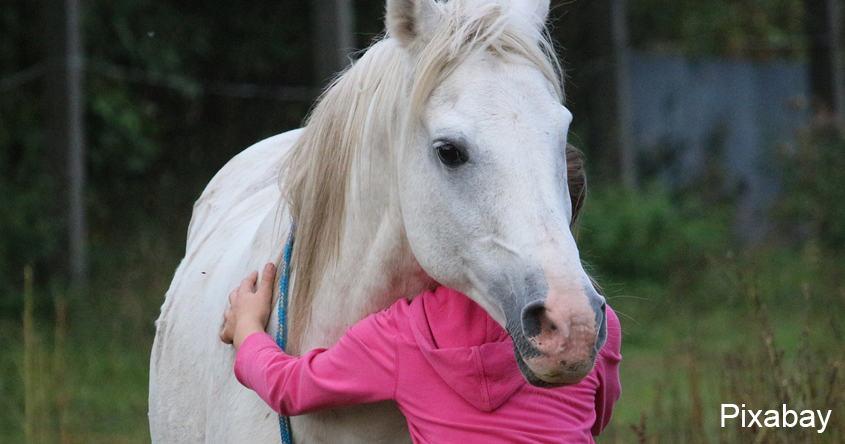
[[577, 180]]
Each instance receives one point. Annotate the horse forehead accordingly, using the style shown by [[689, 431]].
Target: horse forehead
[[500, 95]]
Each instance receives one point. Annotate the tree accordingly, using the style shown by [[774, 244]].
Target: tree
[[827, 55], [334, 37]]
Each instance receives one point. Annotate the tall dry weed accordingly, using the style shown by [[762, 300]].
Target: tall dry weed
[[46, 403]]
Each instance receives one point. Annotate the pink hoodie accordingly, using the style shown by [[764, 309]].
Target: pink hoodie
[[450, 368]]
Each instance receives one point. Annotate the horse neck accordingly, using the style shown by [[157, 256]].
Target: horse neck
[[375, 265]]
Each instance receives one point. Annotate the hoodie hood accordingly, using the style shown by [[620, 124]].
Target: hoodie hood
[[467, 348]]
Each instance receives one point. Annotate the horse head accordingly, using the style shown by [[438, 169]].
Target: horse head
[[483, 176]]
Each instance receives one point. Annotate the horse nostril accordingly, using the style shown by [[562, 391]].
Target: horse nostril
[[601, 324], [532, 319], [536, 321]]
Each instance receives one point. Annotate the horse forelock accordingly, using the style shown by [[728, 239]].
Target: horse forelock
[[366, 108]]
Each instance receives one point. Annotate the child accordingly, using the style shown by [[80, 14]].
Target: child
[[449, 366]]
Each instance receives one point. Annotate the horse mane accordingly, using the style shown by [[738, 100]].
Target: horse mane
[[359, 110]]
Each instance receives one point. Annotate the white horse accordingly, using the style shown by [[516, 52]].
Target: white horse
[[437, 158]]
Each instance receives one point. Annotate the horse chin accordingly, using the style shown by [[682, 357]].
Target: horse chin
[[561, 378]]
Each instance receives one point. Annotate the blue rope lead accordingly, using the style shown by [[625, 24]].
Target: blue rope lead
[[282, 332]]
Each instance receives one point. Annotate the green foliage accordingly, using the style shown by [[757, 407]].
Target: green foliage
[[158, 124], [124, 131], [28, 222], [735, 28], [649, 235], [813, 172]]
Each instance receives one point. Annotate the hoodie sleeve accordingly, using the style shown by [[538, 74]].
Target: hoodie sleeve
[[607, 367], [360, 368]]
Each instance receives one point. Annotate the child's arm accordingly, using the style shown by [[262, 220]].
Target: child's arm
[[360, 368], [607, 367]]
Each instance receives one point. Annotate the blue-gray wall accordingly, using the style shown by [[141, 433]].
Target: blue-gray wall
[[689, 114]]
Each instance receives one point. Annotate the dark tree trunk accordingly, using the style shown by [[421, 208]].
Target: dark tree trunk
[[64, 116], [601, 102], [827, 67], [54, 109], [334, 37]]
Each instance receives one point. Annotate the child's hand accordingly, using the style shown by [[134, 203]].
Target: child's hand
[[248, 312]]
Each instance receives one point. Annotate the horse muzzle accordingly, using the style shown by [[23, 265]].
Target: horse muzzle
[[556, 340]]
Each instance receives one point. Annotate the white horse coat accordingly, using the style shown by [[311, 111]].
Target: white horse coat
[[437, 158]]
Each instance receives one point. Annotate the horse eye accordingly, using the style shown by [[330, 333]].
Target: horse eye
[[451, 155]]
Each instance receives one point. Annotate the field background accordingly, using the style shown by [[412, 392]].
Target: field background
[[707, 318]]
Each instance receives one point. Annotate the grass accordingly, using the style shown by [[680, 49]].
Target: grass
[[683, 377], [755, 330], [74, 390], [77, 371], [776, 340]]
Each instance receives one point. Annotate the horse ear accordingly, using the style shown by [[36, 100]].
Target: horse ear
[[408, 20], [535, 11]]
